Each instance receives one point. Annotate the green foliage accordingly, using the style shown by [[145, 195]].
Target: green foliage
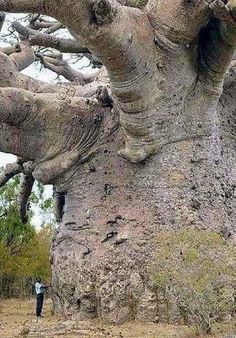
[[24, 251], [14, 235], [33, 260], [196, 268]]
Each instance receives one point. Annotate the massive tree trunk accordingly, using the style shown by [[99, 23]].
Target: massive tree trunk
[[162, 157], [103, 256]]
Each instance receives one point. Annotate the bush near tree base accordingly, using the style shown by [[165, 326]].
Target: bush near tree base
[[196, 270]]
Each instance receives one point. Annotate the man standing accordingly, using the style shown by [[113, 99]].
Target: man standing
[[39, 289]]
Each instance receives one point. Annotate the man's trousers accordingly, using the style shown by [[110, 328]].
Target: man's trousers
[[39, 304]]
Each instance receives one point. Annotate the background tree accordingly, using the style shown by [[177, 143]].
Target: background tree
[[24, 251], [163, 101]]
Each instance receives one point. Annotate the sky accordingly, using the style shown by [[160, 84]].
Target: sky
[[36, 71]]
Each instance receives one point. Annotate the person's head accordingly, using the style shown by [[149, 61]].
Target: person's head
[[38, 280]]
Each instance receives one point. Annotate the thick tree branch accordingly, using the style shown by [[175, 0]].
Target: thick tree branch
[[10, 49], [59, 202], [55, 27], [217, 43], [66, 129], [224, 11], [40, 6], [51, 27], [23, 6], [179, 20], [63, 89], [15, 106], [27, 182], [105, 27], [38, 24], [23, 58], [120, 36], [116, 34], [9, 172]]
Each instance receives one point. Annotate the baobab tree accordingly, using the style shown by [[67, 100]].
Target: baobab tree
[[148, 143]]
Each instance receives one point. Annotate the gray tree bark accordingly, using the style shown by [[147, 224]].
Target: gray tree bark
[[147, 144]]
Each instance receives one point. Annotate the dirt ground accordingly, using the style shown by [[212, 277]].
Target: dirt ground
[[17, 320]]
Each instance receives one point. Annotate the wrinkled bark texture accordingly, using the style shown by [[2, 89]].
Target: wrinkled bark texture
[[148, 144], [103, 255]]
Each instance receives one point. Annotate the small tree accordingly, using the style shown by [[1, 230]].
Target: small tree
[[14, 233], [24, 252]]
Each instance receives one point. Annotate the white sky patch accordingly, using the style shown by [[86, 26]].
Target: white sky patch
[[6, 158]]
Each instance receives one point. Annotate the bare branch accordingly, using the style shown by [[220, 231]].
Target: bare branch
[[46, 40], [62, 89], [9, 172], [61, 67], [55, 27], [10, 77], [39, 24]]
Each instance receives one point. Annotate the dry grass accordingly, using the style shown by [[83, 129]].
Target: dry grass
[[14, 313], [17, 319]]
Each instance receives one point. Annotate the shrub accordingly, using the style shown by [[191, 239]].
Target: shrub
[[197, 269]]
